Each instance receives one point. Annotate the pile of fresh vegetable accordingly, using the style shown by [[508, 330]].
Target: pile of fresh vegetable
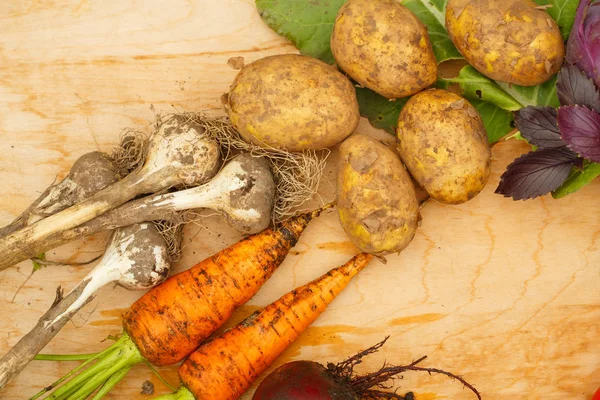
[[503, 77], [566, 135], [266, 159]]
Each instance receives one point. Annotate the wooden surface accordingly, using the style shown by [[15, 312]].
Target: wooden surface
[[505, 293]]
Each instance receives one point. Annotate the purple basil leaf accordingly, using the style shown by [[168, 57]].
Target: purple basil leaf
[[536, 173], [579, 163], [580, 128], [539, 126], [574, 87], [583, 47]]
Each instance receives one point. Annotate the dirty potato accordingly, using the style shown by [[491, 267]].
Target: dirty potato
[[442, 141], [292, 102], [382, 45], [507, 40], [376, 201]]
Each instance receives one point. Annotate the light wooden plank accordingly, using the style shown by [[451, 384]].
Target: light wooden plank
[[504, 293]]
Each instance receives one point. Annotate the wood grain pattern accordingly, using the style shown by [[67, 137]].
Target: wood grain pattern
[[504, 293]]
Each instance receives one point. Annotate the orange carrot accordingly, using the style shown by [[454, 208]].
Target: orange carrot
[[172, 319], [225, 367]]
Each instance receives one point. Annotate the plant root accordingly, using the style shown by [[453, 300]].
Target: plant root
[[130, 154], [172, 233], [383, 378], [297, 175], [44, 262]]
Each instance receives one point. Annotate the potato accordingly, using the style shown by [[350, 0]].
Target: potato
[[506, 40], [376, 201], [292, 102], [382, 45], [442, 141]]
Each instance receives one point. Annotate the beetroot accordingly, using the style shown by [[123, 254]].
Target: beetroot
[[303, 380], [309, 380]]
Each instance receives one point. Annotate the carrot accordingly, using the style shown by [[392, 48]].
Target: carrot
[[225, 367], [172, 319]]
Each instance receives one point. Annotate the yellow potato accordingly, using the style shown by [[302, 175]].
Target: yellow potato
[[292, 102], [506, 40], [382, 45], [442, 141], [376, 201]]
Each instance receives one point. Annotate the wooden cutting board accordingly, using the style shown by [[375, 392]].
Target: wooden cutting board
[[505, 293]]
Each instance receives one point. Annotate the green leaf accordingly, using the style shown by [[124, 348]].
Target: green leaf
[[497, 121], [578, 179], [433, 14], [307, 24], [540, 95], [517, 136], [563, 12], [476, 86], [37, 266], [381, 112]]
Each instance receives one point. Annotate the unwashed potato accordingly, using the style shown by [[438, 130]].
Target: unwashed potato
[[506, 40], [292, 102], [442, 141], [382, 45], [376, 201]]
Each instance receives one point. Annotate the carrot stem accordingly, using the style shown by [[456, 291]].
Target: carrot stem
[[124, 358], [167, 384], [65, 357], [73, 371], [114, 360], [182, 393], [111, 382], [72, 386]]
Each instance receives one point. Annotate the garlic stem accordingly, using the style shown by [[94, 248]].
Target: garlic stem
[[136, 258], [179, 154]]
